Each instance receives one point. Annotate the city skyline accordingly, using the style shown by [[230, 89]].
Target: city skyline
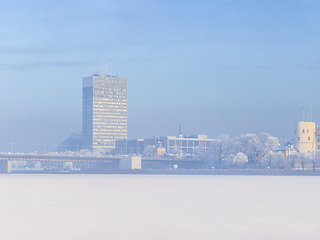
[[218, 67]]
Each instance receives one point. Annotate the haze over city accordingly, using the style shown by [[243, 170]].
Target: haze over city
[[193, 130], [216, 66]]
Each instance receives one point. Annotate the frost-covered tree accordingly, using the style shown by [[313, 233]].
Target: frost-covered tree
[[240, 159], [268, 142], [279, 159], [292, 159], [176, 150], [68, 165], [19, 164], [230, 159], [247, 144], [224, 149], [198, 151], [273, 158], [85, 152], [100, 151], [204, 155], [221, 148], [149, 150], [267, 159], [302, 158], [314, 158], [37, 165]]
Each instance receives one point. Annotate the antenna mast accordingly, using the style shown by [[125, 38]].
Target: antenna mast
[[303, 113], [99, 66], [310, 113], [110, 67]]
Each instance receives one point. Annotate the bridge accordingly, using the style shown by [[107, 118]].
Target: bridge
[[6, 159], [58, 158], [101, 162]]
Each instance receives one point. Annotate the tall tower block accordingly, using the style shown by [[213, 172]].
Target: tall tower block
[[304, 136], [104, 111]]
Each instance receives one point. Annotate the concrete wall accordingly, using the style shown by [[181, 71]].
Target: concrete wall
[[5, 166], [130, 162]]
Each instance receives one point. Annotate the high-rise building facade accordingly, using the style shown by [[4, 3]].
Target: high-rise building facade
[[104, 111]]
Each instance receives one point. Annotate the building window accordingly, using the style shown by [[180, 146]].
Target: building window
[[307, 131], [318, 147], [302, 130], [184, 143], [318, 139], [308, 138], [298, 138], [258, 153]]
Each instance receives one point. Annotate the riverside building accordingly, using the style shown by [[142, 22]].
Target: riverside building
[[104, 111], [187, 144]]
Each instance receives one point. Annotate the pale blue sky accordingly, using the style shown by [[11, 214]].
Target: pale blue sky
[[220, 66]]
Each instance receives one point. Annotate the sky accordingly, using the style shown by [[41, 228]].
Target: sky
[[223, 66]]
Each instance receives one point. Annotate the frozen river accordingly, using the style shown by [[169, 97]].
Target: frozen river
[[74, 207]]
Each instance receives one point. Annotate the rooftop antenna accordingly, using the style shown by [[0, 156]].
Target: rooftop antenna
[[180, 133], [110, 67], [310, 113], [117, 71], [303, 113], [307, 114]]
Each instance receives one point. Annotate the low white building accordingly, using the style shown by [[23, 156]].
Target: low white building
[[186, 143], [183, 144]]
